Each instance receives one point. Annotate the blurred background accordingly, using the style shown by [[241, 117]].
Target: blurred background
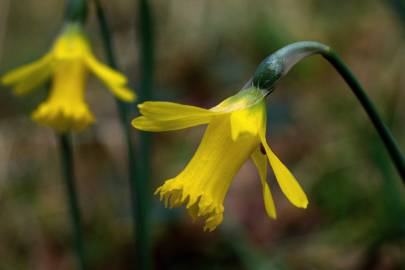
[[206, 51]]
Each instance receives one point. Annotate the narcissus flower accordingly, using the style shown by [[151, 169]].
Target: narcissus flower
[[236, 132], [68, 63]]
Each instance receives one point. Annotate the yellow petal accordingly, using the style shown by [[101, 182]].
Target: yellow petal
[[28, 71], [145, 124], [288, 184], [105, 73], [163, 110], [164, 116], [114, 80], [260, 160], [30, 83], [123, 93]]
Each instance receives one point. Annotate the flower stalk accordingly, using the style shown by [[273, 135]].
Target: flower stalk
[[275, 66], [138, 161], [76, 11], [66, 153], [144, 21]]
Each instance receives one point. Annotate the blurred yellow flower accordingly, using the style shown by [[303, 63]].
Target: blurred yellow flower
[[67, 63], [236, 131]]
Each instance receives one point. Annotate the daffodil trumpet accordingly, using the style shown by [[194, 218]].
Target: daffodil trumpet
[[67, 64], [236, 132]]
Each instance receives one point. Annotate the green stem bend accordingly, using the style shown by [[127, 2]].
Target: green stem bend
[[277, 65]]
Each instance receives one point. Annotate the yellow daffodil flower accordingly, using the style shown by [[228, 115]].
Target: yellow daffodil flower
[[236, 131], [67, 63]]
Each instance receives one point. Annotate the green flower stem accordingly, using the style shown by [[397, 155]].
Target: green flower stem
[[76, 11], [138, 171], [398, 6], [146, 52], [66, 154], [277, 65], [365, 101]]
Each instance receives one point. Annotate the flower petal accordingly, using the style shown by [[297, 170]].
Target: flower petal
[[114, 80], [288, 184], [123, 93], [163, 110], [146, 124], [105, 73], [30, 83], [164, 116], [28, 73], [260, 160]]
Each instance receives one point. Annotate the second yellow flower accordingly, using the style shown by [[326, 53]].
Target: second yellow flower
[[68, 63]]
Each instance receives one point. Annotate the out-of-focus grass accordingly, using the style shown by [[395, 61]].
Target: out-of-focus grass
[[206, 50]]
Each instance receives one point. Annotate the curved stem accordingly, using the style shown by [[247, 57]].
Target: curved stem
[[139, 191], [369, 107], [274, 67], [74, 210]]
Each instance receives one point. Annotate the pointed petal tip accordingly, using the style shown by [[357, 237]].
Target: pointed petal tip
[[131, 97], [300, 202], [304, 204], [287, 181], [157, 191], [272, 215], [8, 78], [134, 123], [141, 106], [3, 80], [144, 124], [271, 212], [125, 94]]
